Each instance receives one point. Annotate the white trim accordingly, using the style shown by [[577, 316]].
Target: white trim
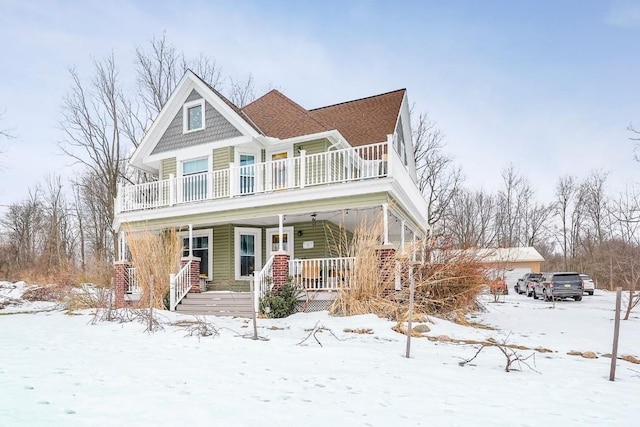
[[206, 232], [269, 232], [257, 233], [185, 115], [189, 82], [408, 200]]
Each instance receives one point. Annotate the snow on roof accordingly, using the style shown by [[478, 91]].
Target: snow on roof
[[517, 254]]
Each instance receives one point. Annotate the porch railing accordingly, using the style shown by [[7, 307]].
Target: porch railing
[[322, 273], [133, 287], [337, 166], [180, 284], [263, 282]]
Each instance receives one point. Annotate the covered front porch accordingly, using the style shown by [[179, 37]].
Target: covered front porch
[[308, 249]]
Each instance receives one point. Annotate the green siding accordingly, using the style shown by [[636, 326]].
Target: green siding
[[222, 157], [168, 167], [223, 254], [311, 147]]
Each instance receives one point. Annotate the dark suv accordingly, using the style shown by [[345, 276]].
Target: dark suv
[[559, 285]]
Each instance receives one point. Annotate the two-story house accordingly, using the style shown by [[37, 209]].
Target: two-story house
[[264, 188]]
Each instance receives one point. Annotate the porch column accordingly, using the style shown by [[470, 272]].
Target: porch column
[[190, 240], [413, 247], [280, 232], [385, 222], [280, 268], [386, 255], [121, 280], [122, 246], [402, 231], [194, 273]]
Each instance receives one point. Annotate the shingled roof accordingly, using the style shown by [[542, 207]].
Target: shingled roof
[[361, 121]]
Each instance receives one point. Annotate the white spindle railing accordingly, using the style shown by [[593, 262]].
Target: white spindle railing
[[263, 282], [344, 165], [322, 273], [180, 284], [133, 287]]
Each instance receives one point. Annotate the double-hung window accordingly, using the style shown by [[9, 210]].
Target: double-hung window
[[194, 179], [194, 116]]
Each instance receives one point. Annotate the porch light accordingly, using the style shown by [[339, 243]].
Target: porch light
[[313, 220]]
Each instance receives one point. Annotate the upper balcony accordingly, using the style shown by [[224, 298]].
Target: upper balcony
[[343, 166]]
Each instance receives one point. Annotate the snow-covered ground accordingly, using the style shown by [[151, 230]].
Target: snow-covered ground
[[58, 369]]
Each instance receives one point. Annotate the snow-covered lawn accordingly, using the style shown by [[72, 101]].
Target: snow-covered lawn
[[59, 370]]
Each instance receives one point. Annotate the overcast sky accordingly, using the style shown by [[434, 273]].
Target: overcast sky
[[548, 86]]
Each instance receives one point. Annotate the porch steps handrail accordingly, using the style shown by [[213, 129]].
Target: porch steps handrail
[[180, 285], [263, 282]]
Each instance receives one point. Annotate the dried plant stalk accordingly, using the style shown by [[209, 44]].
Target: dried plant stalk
[[447, 284], [156, 255]]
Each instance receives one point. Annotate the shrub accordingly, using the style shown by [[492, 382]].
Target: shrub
[[281, 301]]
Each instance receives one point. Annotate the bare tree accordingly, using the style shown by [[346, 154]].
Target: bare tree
[[469, 221], [91, 123], [159, 68], [242, 92], [511, 207], [636, 138], [438, 179], [565, 193]]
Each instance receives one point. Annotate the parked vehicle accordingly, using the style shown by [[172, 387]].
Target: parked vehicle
[[499, 287], [522, 286], [559, 285], [588, 284]]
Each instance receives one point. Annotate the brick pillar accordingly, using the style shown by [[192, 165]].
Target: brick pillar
[[121, 281], [387, 265], [280, 268], [194, 273]]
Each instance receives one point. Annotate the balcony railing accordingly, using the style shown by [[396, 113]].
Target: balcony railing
[[338, 166]]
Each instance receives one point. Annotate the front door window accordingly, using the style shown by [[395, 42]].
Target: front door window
[[200, 249]]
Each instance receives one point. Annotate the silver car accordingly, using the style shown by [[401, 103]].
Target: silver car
[[587, 284]]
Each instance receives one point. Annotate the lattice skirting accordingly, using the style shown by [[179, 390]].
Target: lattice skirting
[[313, 305]]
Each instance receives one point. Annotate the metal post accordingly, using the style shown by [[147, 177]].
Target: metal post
[[616, 332], [172, 292], [254, 307], [412, 285]]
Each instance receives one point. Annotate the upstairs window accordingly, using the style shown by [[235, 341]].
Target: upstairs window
[[193, 113]]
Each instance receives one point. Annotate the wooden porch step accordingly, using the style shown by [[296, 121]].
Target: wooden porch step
[[237, 304]]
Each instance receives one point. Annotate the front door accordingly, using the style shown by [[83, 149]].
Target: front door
[[280, 174], [273, 241], [247, 173]]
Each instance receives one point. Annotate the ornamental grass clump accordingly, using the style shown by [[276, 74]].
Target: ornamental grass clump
[[158, 256], [447, 281]]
